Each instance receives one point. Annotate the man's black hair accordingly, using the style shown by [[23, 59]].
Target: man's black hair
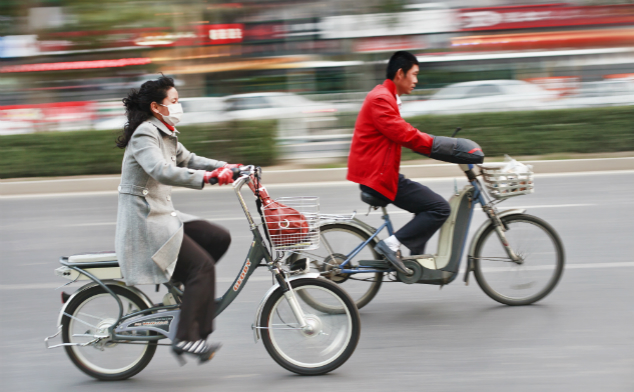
[[400, 60]]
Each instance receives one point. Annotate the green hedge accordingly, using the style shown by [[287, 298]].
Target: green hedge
[[538, 132], [94, 152], [514, 133]]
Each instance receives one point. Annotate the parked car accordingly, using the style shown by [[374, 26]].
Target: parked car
[[481, 96], [616, 92]]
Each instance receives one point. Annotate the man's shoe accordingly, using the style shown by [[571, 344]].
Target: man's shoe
[[199, 349], [391, 256]]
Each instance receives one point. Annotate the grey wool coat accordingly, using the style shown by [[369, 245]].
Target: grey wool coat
[[149, 230]]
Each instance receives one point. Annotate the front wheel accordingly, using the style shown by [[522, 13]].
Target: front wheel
[[327, 340], [90, 313], [541, 264]]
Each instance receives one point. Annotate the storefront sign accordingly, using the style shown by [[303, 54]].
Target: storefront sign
[[389, 44], [219, 34], [377, 25], [547, 15]]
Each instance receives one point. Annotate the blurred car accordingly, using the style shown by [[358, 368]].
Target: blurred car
[[481, 96], [617, 92], [16, 127], [298, 117], [203, 110], [257, 106]]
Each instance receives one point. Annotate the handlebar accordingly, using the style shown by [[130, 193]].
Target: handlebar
[[236, 175]]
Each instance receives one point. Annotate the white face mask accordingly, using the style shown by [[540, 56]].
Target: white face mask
[[175, 113]]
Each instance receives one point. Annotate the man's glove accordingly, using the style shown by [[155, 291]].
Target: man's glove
[[220, 176], [455, 150]]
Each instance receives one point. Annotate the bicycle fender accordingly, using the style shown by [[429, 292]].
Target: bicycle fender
[[481, 229], [90, 285], [357, 224], [258, 312]]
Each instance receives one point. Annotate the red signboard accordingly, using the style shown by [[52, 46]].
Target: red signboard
[[547, 40], [218, 34], [51, 116], [544, 15]]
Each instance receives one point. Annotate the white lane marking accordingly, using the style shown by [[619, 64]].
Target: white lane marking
[[306, 184], [548, 206], [512, 268], [117, 177], [37, 286], [90, 224], [502, 209], [114, 223], [341, 213]]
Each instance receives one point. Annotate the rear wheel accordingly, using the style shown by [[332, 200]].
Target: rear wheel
[[326, 342], [337, 242], [93, 311], [542, 261]]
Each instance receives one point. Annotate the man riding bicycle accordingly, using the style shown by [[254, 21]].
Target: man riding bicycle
[[375, 158]]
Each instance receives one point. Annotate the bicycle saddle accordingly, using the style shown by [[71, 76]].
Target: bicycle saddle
[[373, 201]]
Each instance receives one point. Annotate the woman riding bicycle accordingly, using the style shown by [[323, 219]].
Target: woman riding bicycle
[[154, 242]]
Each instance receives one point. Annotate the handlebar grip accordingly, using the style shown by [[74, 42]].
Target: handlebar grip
[[236, 175]]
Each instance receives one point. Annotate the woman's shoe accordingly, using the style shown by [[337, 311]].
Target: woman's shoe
[[199, 349]]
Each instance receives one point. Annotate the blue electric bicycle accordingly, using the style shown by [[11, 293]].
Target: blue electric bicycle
[[517, 259]]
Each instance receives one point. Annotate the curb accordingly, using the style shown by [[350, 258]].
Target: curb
[[273, 176]]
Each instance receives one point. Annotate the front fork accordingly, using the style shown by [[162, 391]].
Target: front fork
[[500, 229], [290, 296]]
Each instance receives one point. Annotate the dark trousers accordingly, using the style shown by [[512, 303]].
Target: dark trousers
[[430, 209], [203, 245]]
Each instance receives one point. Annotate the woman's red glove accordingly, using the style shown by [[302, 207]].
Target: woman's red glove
[[233, 165], [220, 176]]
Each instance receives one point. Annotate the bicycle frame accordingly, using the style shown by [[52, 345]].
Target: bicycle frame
[[441, 268]]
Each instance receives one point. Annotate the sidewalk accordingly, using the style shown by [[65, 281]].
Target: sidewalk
[[294, 174]]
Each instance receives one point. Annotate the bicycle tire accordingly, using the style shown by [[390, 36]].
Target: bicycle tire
[[524, 231], [336, 332], [353, 285], [83, 357]]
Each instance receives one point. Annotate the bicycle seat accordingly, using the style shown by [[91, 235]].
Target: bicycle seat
[[373, 201], [91, 260]]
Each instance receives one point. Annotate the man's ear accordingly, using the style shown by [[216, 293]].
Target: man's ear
[[399, 74]]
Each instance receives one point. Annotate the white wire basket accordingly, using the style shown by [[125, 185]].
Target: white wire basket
[[502, 184], [295, 227]]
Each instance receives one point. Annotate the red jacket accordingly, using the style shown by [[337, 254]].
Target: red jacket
[[379, 133]]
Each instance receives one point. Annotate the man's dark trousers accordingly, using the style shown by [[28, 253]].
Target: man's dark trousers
[[431, 211]]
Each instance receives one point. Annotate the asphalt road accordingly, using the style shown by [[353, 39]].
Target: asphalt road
[[414, 337]]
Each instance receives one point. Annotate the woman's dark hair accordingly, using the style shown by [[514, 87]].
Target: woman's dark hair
[[137, 105], [400, 60]]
